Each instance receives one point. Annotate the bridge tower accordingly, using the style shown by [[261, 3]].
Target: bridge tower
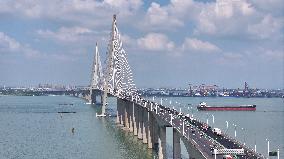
[[96, 78], [118, 75]]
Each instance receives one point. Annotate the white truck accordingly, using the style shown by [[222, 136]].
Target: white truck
[[217, 131]]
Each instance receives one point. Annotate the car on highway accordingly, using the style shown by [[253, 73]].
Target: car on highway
[[192, 130], [204, 127], [212, 147], [202, 134], [217, 131]]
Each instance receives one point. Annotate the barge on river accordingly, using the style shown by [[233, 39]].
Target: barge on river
[[204, 107]]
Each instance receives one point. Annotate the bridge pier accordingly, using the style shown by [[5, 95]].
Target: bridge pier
[[140, 122], [149, 130], [126, 121], [134, 115], [155, 132], [94, 93], [176, 145], [145, 125], [119, 117], [162, 143], [130, 115]]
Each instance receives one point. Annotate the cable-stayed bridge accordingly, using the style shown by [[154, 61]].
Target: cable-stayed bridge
[[148, 119]]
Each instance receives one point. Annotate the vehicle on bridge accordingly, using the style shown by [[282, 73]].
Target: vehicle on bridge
[[217, 131], [204, 127], [227, 157]]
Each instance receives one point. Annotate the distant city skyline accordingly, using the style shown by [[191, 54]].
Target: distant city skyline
[[193, 86], [169, 43]]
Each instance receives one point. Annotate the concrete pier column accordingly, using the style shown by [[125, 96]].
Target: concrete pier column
[[176, 145], [119, 113], [140, 122], [93, 98], [130, 114], [150, 131], [162, 143], [117, 117], [155, 133], [145, 125], [93, 94], [102, 97], [126, 121], [134, 115]]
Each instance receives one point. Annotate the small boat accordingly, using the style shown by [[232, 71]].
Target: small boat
[[65, 112], [204, 107], [100, 115]]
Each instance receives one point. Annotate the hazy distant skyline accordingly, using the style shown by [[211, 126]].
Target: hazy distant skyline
[[170, 43]]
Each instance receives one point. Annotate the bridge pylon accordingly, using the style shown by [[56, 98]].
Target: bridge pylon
[[96, 78], [118, 76]]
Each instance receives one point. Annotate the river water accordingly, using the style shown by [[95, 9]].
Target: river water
[[31, 127]]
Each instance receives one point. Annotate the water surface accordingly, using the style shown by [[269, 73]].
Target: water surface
[[31, 127]]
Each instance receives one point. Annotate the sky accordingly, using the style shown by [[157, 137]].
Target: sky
[[170, 43]]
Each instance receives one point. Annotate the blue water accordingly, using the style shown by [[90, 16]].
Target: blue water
[[31, 127]]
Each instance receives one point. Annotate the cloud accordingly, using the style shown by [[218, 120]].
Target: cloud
[[51, 8], [231, 58], [229, 8], [225, 18], [129, 41], [268, 27], [64, 34], [252, 55], [273, 55], [87, 12], [198, 45], [158, 17], [274, 7], [156, 42], [160, 42], [240, 18], [267, 54], [9, 45], [125, 5]]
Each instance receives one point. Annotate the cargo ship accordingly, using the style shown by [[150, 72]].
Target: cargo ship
[[204, 107]]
